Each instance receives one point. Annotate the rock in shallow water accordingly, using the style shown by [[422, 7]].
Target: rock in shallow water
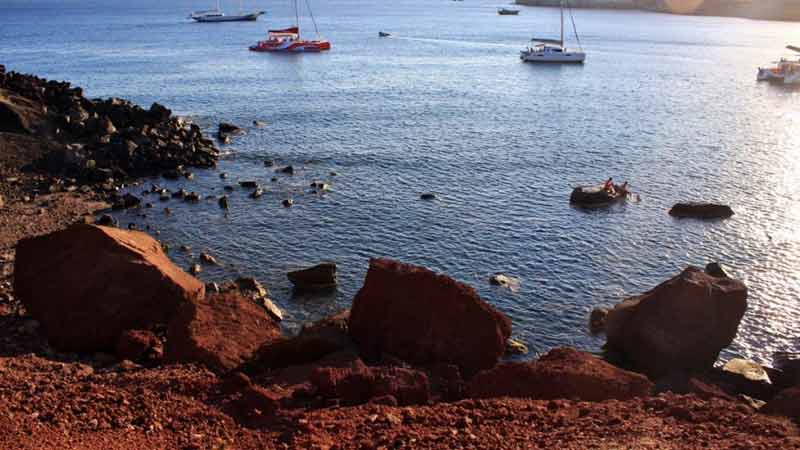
[[680, 325], [319, 277]]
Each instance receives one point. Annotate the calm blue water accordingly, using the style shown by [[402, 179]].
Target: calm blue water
[[667, 102]]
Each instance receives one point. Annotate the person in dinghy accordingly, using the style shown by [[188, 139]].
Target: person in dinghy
[[602, 194]]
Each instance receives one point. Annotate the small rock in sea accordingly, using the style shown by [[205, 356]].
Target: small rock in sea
[[428, 196], [185, 248], [224, 138], [131, 226], [748, 369], [514, 347], [597, 320], [257, 193], [225, 127], [223, 202], [319, 277], [289, 170], [148, 205], [332, 173], [248, 184], [320, 186], [195, 269], [273, 179], [251, 286], [192, 197], [701, 210], [165, 247], [258, 124], [223, 175], [211, 197], [180, 193], [229, 188], [106, 220], [505, 281], [188, 175], [205, 258], [716, 269], [287, 203], [167, 211], [269, 163], [164, 197]]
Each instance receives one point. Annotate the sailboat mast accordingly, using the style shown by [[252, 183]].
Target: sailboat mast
[[562, 23], [297, 18]]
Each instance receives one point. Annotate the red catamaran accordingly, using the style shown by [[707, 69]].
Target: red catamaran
[[289, 40]]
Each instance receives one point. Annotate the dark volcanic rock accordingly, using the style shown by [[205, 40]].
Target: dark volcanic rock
[[680, 325], [329, 335], [701, 210], [88, 284], [319, 277], [560, 373], [425, 318], [221, 331]]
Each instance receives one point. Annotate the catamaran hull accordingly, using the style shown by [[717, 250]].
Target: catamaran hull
[[292, 47], [244, 18], [563, 58]]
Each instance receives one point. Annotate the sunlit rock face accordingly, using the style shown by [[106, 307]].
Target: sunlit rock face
[[682, 6]]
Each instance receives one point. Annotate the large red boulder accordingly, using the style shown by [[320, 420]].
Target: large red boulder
[[679, 326], [358, 384], [221, 331], [560, 373], [424, 318], [87, 284]]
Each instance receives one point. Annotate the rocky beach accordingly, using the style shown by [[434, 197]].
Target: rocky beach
[[106, 343]]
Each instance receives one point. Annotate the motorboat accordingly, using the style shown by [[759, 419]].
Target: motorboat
[[785, 71], [543, 50], [507, 11], [383, 34], [216, 15], [598, 195]]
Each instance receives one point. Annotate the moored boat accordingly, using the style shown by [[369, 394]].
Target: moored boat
[[507, 11], [785, 71], [598, 195], [553, 50], [383, 34], [216, 15], [288, 40]]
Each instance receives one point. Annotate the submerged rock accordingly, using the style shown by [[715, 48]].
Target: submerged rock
[[251, 184], [423, 318], [88, 284], [680, 325], [319, 277], [701, 210]]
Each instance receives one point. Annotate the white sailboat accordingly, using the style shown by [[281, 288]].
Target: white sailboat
[[216, 15], [552, 50]]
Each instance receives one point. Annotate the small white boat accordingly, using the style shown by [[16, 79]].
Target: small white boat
[[216, 15], [507, 11], [553, 50]]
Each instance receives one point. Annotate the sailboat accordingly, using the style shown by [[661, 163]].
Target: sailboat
[[216, 15], [552, 50], [288, 40]]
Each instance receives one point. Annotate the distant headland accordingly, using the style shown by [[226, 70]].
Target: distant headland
[[751, 9]]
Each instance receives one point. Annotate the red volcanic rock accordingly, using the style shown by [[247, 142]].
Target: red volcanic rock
[[560, 373], [358, 384], [786, 403], [680, 325], [424, 318], [221, 331], [136, 344], [87, 284]]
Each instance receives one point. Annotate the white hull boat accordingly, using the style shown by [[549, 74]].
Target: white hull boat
[[785, 71], [553, 50], [216, 15]]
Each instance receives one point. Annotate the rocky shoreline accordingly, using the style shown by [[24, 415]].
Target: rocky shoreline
[[105, 343]]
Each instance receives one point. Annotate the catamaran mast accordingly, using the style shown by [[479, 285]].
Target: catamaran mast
[[297, 18], [562, 23]]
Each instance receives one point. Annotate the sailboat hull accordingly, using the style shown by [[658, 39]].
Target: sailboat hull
[[241, 18], [554, 57]]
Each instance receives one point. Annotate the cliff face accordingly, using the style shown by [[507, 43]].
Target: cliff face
[[762, 9]]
